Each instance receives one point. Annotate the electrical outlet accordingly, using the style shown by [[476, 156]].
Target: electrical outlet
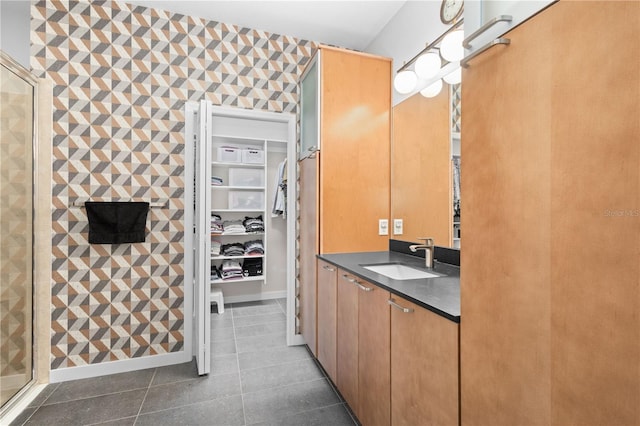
[[397, 226], [383, 227]]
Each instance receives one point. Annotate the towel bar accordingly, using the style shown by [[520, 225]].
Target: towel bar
[[160, 203]]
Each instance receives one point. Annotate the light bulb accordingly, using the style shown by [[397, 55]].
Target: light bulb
[[432, 90], [428, 65], [454, 77], [405, 81], [451, 47]]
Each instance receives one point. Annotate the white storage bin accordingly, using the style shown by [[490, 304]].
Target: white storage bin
[[252, 156], [229, 154], [246, 177], [246, 200]]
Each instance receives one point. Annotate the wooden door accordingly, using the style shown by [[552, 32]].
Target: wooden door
[[424, 367], [347, 340], [595, 214], [327, 316], [308, 249], [549, 331], [374, 346], [505, 286], [355, 130]]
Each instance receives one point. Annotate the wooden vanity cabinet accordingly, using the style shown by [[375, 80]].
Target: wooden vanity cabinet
[[327, 317], [374, 350], [363, 349], [347, 340], [424, 367]]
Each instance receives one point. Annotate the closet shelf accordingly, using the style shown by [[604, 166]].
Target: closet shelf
[[218, 257], [238, 211], [240, 165], [238, 280], [237, 234], [252, 188]]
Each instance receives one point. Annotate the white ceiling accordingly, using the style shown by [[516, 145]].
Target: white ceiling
[[346, 23]]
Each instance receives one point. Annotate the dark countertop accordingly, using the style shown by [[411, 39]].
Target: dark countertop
[[440, 295]]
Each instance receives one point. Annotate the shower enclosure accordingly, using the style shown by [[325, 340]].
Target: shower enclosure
[[17, 135]]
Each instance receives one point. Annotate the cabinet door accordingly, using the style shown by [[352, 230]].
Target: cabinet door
[[356, 132], [310, 109], [550, 144], [374, 344], [424, 367], [327, 316], [347, 339], [308, 249]]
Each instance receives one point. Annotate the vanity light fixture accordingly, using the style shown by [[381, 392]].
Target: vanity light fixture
[[432, 90], [405, 81], [451, 47], [427, 64], [454, 77]]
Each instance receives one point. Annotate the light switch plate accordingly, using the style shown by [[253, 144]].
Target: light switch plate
[[383, 227], [397, 226]]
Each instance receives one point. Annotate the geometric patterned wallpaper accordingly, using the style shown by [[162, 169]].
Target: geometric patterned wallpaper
[[121, 75], [456, 107]]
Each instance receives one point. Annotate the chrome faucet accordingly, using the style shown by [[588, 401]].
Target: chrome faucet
[[428, 251]]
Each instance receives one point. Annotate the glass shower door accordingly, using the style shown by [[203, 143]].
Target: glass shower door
[[16, 232]]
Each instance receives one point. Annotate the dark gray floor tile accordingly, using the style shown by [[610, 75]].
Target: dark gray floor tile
[[95, 386], [272, 404], [219, 334], [22, 417], [263, 309], [223, 411], [279, 375], [270, 357], [177, 394], [258, 319], [129, 421], [43, 395], [261, 343], [175, 373], [224, 364], [335, 415], [260, 329], [223, 347], [90, 410]]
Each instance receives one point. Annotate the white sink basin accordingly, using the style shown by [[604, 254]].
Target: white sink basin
[[398, 271]]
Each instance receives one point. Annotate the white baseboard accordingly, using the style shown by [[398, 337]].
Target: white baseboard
[[114, 367], [268, 295]]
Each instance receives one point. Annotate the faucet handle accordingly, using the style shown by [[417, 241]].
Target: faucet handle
[[428, 241]]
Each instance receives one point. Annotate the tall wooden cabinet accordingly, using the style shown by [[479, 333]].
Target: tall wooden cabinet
[[345, 142], [551, 183]]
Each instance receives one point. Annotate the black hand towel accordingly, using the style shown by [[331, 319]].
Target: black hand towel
[[116, 222]]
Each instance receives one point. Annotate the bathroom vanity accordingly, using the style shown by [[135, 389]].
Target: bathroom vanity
[[390, 345]]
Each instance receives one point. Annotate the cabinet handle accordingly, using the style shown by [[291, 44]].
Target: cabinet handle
[[402, 308], [328, 268], [465, 62], [485, 27], [364, 288], [346, 277]]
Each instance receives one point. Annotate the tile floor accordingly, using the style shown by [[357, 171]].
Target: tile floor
[[255, 380]]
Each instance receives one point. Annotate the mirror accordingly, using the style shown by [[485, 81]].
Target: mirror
[[425, 168]]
